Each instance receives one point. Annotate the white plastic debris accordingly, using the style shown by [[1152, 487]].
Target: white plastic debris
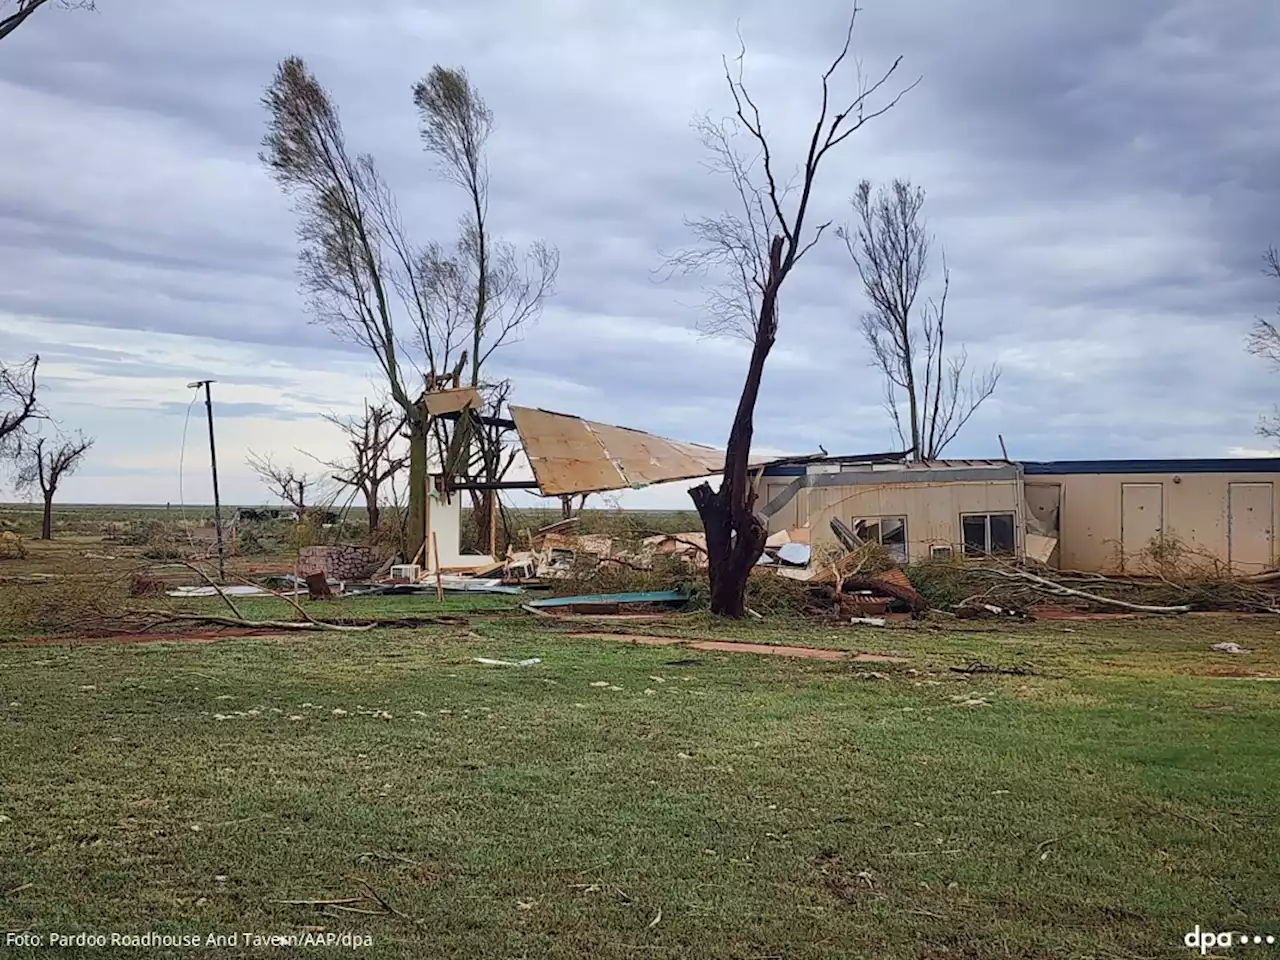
[[796, 554], [1228, 647], [531, 662], [869, 621]]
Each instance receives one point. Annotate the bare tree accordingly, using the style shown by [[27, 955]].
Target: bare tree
[[890, 246], [756, 246], [12, 16], [1264, 342], [497, 289], [374, 461], [19, 404], [43, 465], [284, 481], [369, 283], [567, 508]]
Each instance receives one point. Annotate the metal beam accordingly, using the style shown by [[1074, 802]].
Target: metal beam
[[495, 485], [486, 421]]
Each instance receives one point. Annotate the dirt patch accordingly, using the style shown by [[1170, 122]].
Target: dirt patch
[[593, 617], [730, 646], [1057, 611], [1054, 611], [633, 638], [195, 636], [840, 881]]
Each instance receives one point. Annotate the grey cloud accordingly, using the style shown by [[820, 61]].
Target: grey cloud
[[224, 408], [1101, 180]]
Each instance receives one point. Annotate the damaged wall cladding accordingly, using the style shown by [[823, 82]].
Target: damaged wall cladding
[[1111, 511], [1099, 516], [916, 510]]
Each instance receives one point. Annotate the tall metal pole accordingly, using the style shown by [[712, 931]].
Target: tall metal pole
[[213, 462]]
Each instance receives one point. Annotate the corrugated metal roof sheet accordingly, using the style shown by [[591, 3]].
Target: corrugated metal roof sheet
[[571, 455]]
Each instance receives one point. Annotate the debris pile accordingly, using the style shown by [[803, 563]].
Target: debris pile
[[998, 589]]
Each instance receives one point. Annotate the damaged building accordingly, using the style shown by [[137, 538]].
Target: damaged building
[[1100, 516], [1104, 516]]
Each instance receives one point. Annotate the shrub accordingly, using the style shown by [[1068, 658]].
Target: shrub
[[942, 583]]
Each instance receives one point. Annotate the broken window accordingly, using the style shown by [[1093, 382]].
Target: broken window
[[889, 532], [988, 534]]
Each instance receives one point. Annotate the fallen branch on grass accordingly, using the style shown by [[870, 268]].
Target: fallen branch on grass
[[979, 667], [239, 620], [217, 589], [376, 897], [1268, 577], [174, 617], [1060, 590], [287, 599]]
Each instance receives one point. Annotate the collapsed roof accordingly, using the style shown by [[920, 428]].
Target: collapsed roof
[[570, 455]]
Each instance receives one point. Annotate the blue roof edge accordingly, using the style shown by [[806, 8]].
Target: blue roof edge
[[1211, 465]]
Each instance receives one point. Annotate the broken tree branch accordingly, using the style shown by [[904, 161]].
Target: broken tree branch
[[287, 599], [210, 581], [1060, 590], [172, 616]]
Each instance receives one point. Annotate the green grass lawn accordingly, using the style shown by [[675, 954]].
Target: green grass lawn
[[735, 806]]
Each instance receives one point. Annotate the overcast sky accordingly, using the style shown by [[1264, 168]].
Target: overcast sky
[[1102, 177]]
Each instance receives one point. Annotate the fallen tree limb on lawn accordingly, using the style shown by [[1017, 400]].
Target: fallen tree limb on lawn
[[1060, 590], [174, 617], [239, 620]]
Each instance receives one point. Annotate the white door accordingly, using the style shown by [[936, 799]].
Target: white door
[[1141, 521], [1249, 512]]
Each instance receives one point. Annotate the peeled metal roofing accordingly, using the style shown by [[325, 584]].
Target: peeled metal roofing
[[451, 401], [571, 455]]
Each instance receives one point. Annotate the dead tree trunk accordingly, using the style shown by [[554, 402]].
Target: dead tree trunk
[[46, 521], [757, 247], [735, 534]]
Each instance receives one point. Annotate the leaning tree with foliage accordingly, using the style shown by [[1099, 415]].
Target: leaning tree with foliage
[[756, 246], [368, 282], [43, 464], [497, 289], [890, 245]]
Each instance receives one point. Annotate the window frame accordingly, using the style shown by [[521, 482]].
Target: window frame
[[880, 521], [986, 531]]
